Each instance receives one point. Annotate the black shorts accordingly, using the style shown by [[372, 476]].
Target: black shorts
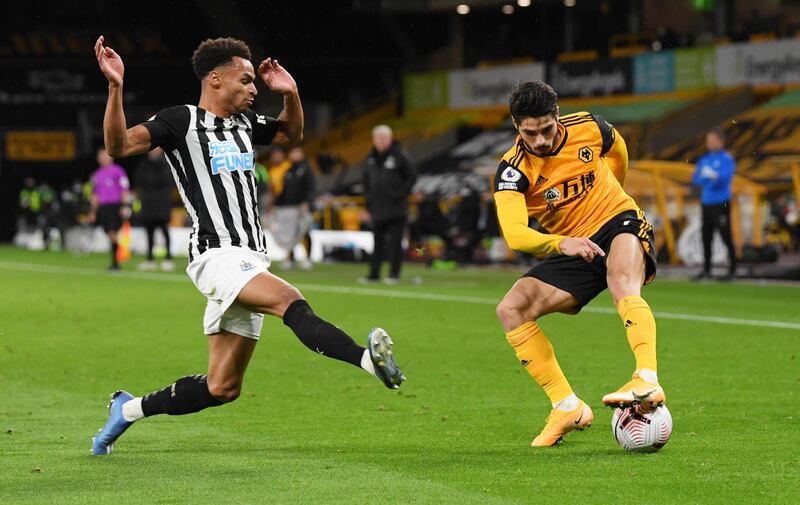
[[108, 217], [585, 280]]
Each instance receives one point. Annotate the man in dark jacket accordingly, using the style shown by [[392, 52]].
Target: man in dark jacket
[[389, 175], [293, 198], [154, 183]]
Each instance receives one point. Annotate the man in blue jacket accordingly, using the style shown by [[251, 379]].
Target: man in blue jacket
[[714, 174]]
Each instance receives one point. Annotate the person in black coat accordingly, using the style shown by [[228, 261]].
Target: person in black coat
[[389, 174], [291, 216], [154, 182]]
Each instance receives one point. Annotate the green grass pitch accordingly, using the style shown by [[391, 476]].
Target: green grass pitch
[[311, 430]]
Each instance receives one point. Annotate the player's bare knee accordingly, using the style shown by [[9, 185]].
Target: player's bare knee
[[510, 314], [292, 295], [615, 284], [619, 281], [504, 311], [620, 287]]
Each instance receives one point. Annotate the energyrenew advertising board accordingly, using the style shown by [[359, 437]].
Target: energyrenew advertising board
[[482, 87], [754, 64], [460, 89], [759, 63]]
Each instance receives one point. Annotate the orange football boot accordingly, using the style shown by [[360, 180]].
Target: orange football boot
[[645, 395], [561, 422]]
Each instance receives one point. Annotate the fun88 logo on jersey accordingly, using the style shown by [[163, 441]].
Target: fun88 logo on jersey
[[225, 156]]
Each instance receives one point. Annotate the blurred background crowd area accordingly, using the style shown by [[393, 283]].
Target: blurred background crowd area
[[439, 73]]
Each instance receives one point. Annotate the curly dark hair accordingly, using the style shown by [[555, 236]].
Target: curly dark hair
[[533, 99], [212, 53]]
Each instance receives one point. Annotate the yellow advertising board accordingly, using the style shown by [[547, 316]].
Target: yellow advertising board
[[40, 146]]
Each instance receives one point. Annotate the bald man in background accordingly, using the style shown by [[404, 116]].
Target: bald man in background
[[389, 175]]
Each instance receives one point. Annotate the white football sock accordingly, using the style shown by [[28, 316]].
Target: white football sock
[[568, 404], [649, 375], [132, 409], [366, 363]]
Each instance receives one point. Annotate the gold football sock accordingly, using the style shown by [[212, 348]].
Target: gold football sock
[[640, 326], [536, 355]]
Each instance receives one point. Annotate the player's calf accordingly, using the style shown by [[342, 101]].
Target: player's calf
[[224, 393], [321, 336]]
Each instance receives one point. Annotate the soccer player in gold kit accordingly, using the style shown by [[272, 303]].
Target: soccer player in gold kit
[[567, 173]]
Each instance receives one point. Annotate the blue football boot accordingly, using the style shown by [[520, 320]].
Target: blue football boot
[[103, 442], [380, 351]]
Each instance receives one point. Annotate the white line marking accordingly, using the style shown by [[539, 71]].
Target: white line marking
[[386, 293]]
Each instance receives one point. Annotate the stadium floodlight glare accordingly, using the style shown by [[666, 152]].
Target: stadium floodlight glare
[[524, 3], [508, 9], [569, 3], [462, 9]]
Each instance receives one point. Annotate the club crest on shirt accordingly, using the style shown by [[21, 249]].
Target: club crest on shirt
[[226, 157], [585, 154]]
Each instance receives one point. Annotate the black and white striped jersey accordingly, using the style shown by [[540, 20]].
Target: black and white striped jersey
[[212, 161]]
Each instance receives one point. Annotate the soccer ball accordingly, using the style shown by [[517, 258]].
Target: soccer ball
[[641, 432]]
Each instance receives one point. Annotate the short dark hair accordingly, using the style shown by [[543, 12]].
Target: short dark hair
[[533, 99], [718, 132], [212, 53]]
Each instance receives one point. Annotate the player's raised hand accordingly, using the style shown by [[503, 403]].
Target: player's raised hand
[[110, 62], [276, 77], [580, 246]]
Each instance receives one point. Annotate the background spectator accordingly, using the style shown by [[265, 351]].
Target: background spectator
[[389, 174], [154, 185], [714, 175]]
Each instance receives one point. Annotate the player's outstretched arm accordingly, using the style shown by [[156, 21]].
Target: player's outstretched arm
[[120, 141], [290, 120]]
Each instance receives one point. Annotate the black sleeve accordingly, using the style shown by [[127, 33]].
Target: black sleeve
[[168, 127], [510, 178], [410, 172], [365, 178], [310, 186], [606, 132], [264, 127]]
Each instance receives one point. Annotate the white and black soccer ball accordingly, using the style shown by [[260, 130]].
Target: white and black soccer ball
[[641, 432]]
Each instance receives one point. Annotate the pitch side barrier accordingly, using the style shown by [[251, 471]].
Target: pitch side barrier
[[666, 184]]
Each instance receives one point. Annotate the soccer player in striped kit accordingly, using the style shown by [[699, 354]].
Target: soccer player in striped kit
[[209, 148]]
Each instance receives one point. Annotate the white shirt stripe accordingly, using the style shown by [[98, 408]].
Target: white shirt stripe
[[195, 252], [227, 182], [204, 178], [249, 186]]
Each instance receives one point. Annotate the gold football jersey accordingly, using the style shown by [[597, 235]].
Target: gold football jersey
[[572, 191]]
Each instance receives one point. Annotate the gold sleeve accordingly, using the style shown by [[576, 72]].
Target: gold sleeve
[[617, 159], [512, 214]]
